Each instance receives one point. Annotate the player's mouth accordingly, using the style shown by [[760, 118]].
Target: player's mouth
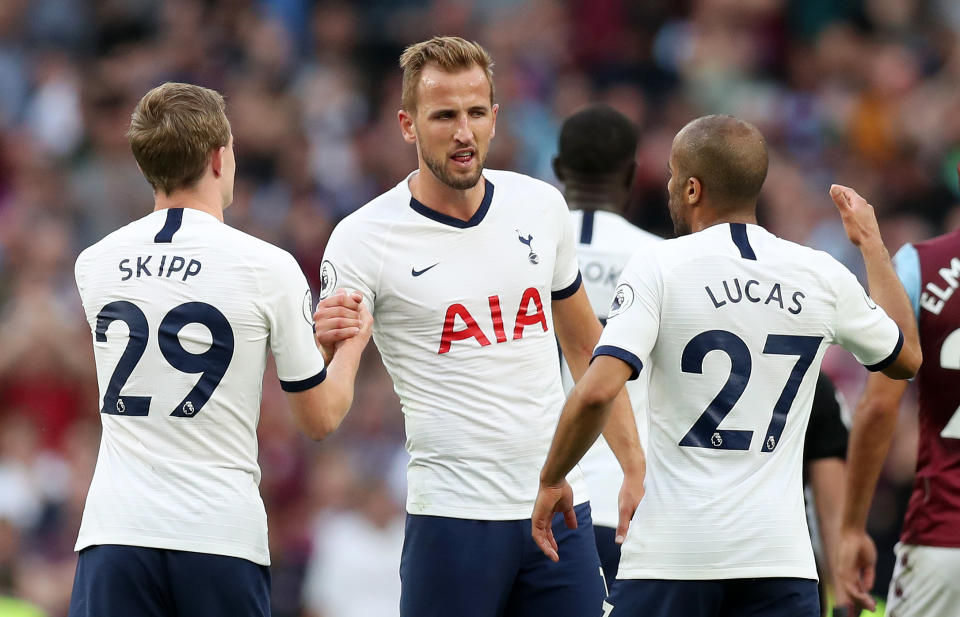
[[463, 158]]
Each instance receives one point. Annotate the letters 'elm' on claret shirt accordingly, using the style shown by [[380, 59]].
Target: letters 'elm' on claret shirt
[[735, 322], [463, 322]]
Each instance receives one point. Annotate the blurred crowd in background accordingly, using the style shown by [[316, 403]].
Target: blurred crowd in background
[[862, 92]]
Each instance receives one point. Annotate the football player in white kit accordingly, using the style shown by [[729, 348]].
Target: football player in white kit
[[183, 310], [735, 322], [470, 275], [596, 163]]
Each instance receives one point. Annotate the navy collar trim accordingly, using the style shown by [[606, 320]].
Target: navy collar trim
[[170, 226], [453, 221], [738, 232]]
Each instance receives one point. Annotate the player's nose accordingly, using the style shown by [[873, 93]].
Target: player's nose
[[463, 134]]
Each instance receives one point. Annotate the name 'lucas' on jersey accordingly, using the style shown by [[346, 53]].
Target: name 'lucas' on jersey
[[731, 292]]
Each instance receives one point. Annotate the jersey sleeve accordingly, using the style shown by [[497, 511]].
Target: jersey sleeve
[[826, 433], [349, 264], [289, 311], [634, 319], [907, 264], [566, 271], [862, 327]]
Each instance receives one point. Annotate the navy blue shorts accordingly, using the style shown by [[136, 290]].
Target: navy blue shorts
[[468, 568], [133, 581], [609, 552], [745, 597]]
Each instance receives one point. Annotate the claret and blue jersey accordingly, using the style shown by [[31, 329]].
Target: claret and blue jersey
[[463, 322], [930, 272], [735, 322]]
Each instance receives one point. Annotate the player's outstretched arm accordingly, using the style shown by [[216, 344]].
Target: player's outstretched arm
[[862, 229], [873, 426], [321, 409], [578, 331], [583, 416]]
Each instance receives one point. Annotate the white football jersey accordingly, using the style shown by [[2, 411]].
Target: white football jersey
[[183, 309], [735, 322], [605, 242], [463, 321]]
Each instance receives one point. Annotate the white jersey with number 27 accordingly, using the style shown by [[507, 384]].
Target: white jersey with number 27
[[183, 309], [735, 322]]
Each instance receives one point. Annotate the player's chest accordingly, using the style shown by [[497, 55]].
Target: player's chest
[[491, 279]]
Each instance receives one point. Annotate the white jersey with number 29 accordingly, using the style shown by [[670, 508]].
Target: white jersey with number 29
[[183, 309], [735, 322]]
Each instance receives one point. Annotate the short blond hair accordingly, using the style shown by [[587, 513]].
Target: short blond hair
[[450, 53], [173, 130]]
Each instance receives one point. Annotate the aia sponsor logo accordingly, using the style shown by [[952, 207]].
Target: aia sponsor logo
[[459, 324]]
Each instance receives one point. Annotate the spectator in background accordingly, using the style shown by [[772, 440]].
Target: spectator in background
[[353, 570]]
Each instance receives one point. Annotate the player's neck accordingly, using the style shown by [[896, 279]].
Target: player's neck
[[431, 192], [192, 198], [594, 197], [710, 217]]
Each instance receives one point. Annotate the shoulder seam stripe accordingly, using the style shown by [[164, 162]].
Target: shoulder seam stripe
[[171, 226], [738, 231], [586, 227]]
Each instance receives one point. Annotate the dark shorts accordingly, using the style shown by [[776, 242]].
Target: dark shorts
[[133, 581], [468, 568], [609, 552], [748, 597]]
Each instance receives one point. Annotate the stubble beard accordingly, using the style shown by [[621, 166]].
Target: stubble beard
[[454, 181], [680, 226]]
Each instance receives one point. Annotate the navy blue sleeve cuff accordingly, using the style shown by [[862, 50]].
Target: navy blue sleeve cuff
[[304, 384], [882, 364], [569, 290], [620, 354]]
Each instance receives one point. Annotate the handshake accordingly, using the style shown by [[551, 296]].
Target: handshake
[[341, 319]]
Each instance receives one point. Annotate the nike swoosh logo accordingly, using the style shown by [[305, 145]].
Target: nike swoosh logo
[[416, 272]]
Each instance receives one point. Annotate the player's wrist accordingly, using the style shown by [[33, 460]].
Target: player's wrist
[[873, 248], [633, 465], [548, 480]]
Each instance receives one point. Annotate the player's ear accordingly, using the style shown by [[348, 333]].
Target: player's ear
[[694, 190], [216, 161], [493, 129], [406, 126], [558, 169]]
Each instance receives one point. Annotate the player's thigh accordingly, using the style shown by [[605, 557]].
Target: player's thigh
[[663, 598], [771, 597], [572, 587], [460, 567], [926, 582], [120, 581], [205, 585], [609, 552]]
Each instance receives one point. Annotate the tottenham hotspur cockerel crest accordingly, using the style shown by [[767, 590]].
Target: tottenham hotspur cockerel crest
[[533, 257]]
